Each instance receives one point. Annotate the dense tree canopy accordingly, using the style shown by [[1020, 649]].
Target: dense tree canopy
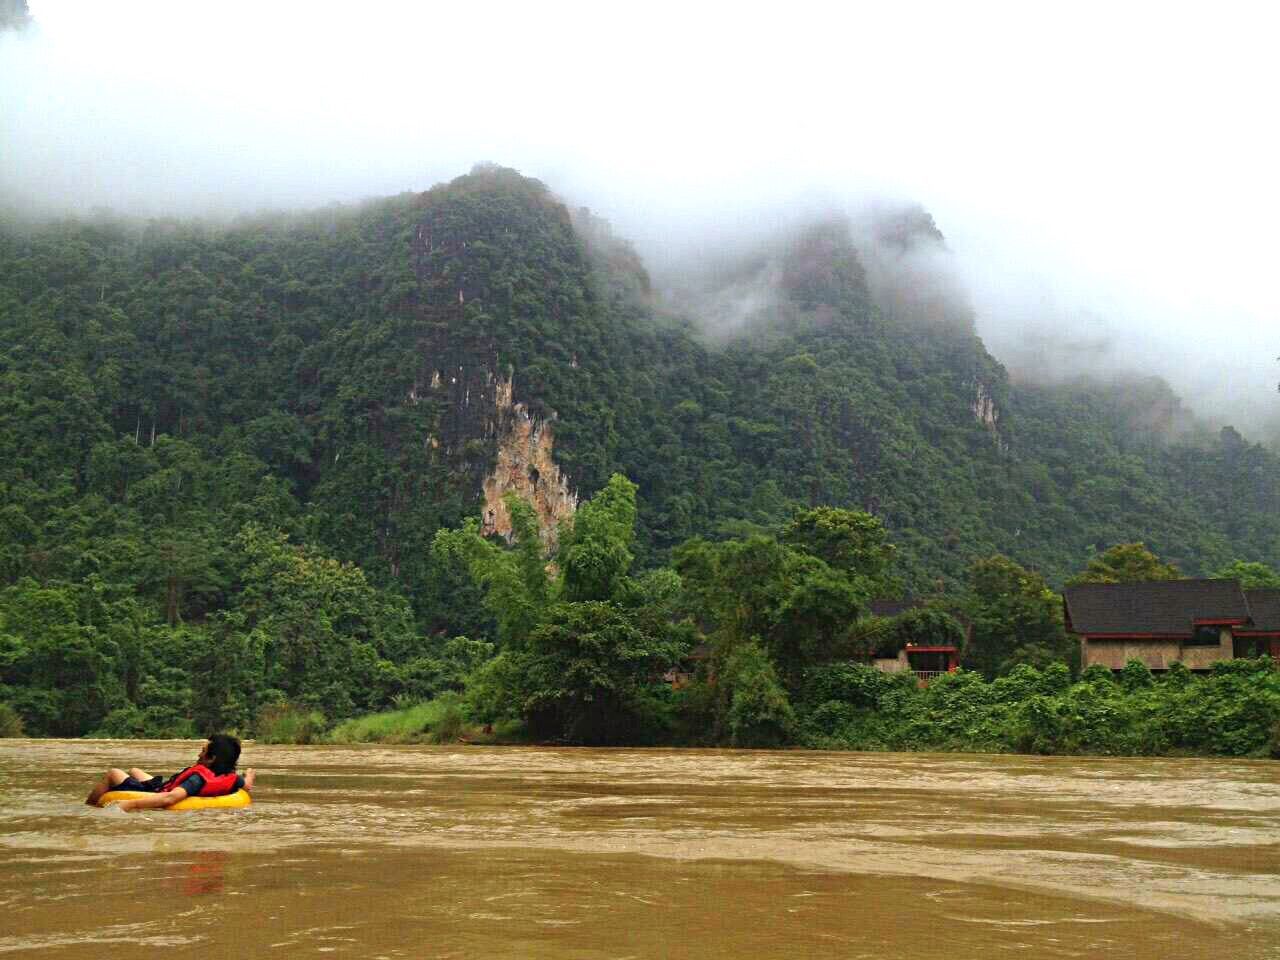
[[241, 465], [1015, 617], [1250, 574], [1126, 563]]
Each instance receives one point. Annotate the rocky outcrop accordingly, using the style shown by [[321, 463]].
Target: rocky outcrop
[[987, 413], [484, 423], [490, 441], [525, 466], [984, 407]]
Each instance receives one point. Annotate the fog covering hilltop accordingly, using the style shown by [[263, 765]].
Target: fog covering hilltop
[[1111, 223], [352, 375]]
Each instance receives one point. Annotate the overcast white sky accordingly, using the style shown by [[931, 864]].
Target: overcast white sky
[[1102, 171]]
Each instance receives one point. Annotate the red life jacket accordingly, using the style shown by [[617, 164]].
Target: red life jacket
[[215, 784]]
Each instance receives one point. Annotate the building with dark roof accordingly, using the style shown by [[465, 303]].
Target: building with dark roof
[[925, 660], [1262, 633], [1196, 622]]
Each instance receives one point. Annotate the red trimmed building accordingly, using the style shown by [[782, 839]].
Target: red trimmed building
[[1261, 635], [924, 660], [1196, 622]]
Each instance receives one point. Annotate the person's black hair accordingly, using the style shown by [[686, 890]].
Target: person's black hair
[[224, 751]]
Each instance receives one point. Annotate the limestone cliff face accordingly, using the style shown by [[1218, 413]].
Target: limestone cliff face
[[984, 407], [987, 413], [483, 424], [525, 466]]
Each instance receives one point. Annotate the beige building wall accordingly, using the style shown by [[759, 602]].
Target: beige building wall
[[896, 664], [1202, 658], [1156, 654], [1114, 654]]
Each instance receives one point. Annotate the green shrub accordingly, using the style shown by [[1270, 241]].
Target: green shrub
[[290, 723], [1178, 675], [1098, 718], [1055, 678], [1039, 726], [831, 719], [1135, 676], [38, 709], [955, 704], [1097, 675], [759, 713], [647, 716], [450, 722], [693, 713], [857, 684], [1244, 667], [10, 722], [1232, 711], [151, 723], [492, 694], [1018, 685]]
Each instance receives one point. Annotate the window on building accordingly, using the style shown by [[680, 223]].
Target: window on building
[[933, 661], [1249, 647], [1204, 637]]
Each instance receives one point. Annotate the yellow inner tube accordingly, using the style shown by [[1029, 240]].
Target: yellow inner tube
[[229, 801]]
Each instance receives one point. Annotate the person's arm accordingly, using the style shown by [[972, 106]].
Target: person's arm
[[154, 801], [248, 780]]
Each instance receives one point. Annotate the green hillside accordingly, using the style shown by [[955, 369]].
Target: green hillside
[[177, 398]]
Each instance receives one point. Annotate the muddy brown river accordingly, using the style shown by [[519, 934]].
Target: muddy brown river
[[379, 852]]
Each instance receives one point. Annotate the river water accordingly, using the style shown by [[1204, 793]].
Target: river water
[[529, 852]]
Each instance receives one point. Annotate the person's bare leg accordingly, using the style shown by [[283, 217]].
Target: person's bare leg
[[139, 774], [113, 777], [248, 780]]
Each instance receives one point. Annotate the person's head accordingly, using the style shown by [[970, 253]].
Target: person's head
[[221, 753]]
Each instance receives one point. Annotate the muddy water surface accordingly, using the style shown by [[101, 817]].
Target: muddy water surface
[[475, 852]]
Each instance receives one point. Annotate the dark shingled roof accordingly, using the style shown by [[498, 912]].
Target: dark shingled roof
[[1166, 607], [1264, 608]]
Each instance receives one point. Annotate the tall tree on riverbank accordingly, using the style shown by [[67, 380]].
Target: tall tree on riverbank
[[512, 575], [1016, 618], [772, 609], [797, 595], [585, 649]]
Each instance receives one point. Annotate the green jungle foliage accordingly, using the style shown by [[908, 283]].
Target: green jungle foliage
[[1233, 711], [1134, 563], [237, 464], [10, 723]]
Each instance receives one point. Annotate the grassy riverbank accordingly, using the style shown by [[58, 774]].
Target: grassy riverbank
[[1232, 711], [435, 721], [442, 720]]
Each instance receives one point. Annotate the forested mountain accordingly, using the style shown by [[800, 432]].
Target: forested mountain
[[176, 398]]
